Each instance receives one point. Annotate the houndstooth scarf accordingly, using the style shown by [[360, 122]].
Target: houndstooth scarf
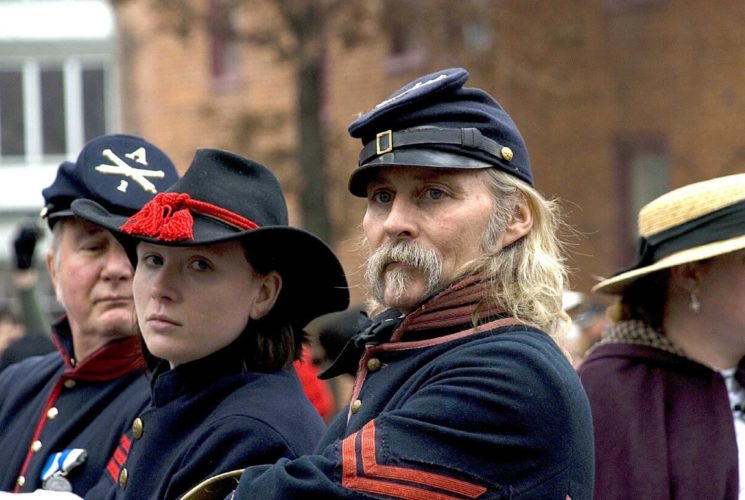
[[637, 332]]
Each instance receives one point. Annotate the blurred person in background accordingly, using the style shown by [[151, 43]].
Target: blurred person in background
[[331, 333], [666, 380], [589, 320], [11, 330], [592, 320], [33, 325], [61, 414], [318, 391]]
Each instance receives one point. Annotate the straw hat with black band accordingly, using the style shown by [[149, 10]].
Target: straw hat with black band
[[689, 224]]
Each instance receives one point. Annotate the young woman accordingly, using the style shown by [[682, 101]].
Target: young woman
[[222, 289]]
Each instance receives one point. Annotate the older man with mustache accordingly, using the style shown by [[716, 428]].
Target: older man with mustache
[[61, 415], [461, 389]]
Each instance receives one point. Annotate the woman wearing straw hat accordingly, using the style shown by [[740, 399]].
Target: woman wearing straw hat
[[221, 298], [664, 383]]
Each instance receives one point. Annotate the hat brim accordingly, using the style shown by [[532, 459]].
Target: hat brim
[[55, 217], [312, 275], [411, 157], [617, 284]]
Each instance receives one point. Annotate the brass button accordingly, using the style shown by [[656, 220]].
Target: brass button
[[69, 383], [123, 476], [36, 446], [506, 153], [373, 364], [21, 481], [137, 427], [356, 405], [52, 413]]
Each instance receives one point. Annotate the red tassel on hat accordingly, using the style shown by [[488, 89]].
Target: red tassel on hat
[[165, 217], [147, 221], [178, 226]]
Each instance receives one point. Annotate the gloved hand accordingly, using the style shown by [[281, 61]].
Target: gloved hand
[[24, 245]]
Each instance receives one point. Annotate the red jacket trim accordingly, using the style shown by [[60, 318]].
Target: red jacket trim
[[39, 428], [114, 466], [382, 479]]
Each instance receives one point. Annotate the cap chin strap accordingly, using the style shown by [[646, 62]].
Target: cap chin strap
[[467, 138]]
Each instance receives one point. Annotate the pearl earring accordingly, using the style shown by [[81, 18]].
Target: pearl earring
[[694, 303]]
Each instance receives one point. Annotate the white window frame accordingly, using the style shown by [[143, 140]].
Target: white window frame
[[72, 69]]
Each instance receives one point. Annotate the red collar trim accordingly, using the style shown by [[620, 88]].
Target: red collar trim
[[111, 361]]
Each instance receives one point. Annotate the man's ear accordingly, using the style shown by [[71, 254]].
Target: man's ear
[[269, 288], [50, 260], [521, 223]]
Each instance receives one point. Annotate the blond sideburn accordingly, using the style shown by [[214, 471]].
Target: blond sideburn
[[526, 278]]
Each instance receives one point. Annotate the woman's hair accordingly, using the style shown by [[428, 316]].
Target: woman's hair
[[644, 300], [272, 342], [527, 278]]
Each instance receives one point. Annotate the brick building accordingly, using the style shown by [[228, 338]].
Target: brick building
[[618, 100]]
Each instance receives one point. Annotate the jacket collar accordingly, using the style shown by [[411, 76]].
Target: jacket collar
[[112, 360], [443, 312], [192, 377]]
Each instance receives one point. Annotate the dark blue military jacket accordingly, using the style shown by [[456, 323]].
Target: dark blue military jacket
[[495, 412], [208, 417], [48, 405]]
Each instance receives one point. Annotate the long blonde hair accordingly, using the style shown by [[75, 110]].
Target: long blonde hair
[[527, 278]]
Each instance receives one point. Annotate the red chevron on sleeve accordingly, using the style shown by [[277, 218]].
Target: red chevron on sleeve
[[120, 455], [398, 482]]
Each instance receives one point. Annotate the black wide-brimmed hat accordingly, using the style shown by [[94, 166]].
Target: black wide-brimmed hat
[[436, 122], [223, 197], [119, 171], [689, 224]]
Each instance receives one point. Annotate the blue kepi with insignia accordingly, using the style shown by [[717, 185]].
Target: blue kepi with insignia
[[121, 172], [436, 122]]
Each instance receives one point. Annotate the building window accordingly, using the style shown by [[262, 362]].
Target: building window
[[12, 123], [49, 110], [224, 44], [624, 6], [94, 104], [645, 175], [477, 36], [53, 111], [404, 53], [649, 176]]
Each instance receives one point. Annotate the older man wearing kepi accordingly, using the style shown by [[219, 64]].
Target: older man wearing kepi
[[461, 390], [62, 414]]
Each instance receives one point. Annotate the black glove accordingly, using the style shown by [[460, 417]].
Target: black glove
[[24, 245]]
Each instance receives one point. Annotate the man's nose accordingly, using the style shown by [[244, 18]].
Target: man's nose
[[117, 266], [401, 220]]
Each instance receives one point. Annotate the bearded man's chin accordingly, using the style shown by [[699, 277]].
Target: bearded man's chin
[[403, 289]]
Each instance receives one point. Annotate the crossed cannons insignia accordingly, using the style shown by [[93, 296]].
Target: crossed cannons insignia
[[137, 175]]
